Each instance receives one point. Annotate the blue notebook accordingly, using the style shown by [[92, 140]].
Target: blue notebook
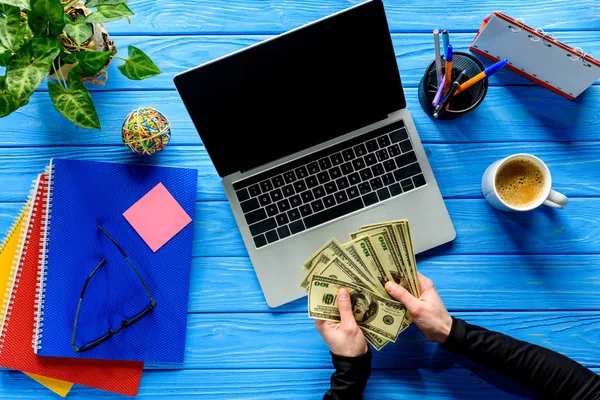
[[83, 195]]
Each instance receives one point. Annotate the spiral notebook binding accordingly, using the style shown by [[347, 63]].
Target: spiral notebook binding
[[40, 290], [17, 262], [551, 41]]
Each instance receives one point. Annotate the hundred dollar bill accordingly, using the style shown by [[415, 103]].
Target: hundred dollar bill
[[375, 340], [411, 254], [372, 312], [364, 248], [316, 264], [352, 251], [337, 269], [401, 230], [384, 246], [397, 244], [330, 249]]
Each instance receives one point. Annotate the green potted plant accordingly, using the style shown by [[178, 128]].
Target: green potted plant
[[65, 41]]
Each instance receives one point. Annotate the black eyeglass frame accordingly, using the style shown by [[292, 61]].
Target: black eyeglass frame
[[125, 323]]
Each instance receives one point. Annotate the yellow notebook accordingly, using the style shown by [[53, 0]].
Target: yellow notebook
[[61, 388], [10, 253]]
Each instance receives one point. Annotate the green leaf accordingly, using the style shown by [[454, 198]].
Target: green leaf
[[7, 104], [27, 69], [139, 65], [17, 3], [75, 104], [89, 62], [79, 31], [97, 3], [10, 27], [46, 14], [4, 55], [109, 13], [43, 45]]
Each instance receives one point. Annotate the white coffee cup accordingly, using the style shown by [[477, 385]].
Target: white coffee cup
[[547, 196]]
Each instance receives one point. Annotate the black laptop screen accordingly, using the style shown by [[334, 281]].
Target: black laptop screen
[[295, 91]]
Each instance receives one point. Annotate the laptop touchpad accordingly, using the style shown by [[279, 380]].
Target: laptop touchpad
[[341, 228]]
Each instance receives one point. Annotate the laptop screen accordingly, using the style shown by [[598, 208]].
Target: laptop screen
[[294, 91]]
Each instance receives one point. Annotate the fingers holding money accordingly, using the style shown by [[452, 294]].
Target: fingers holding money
[[345, 307], [402, 295], [360, 268], [428, 312], [343, 338]]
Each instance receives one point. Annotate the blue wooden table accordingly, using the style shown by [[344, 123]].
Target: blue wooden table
[[535, 276]]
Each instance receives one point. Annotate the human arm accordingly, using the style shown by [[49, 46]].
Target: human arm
[[546, 372], [349, 352]]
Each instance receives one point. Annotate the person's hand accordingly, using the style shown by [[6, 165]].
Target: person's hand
[[427, 312], [344, 338]]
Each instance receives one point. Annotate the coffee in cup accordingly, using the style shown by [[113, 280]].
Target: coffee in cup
[[520, 182]]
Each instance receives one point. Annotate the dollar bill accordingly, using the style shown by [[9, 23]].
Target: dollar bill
[[372, 312], [375, 340], [364, 248], [401, 230], [385, 248], [337, 269], [409, 245], [361, 248], [316, 263], [352, 251], [331, 249], [398, 251]]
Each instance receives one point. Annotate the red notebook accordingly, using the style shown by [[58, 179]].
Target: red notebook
[[17, 349]]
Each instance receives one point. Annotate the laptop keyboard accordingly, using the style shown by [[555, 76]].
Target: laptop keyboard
[[328, 184]]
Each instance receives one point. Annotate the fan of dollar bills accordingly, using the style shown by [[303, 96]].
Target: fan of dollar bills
[[374, 255]]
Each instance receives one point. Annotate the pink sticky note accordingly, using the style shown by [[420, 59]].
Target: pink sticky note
[[157, 217]]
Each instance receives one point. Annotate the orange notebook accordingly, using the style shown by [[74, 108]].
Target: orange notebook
[[17, 347], [536, 55]]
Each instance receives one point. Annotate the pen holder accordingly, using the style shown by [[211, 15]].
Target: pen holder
[[463, 102]]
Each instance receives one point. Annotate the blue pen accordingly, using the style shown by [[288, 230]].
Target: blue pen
[[448, 70], [445, 40], [482, 75]]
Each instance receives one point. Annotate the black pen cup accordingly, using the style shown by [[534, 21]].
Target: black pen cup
[[462, 102]]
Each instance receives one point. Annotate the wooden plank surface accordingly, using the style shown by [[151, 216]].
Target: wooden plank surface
[[290, 340], [508, 114], [174, 54], [232, 340], [275, 16], [480, 229], [458, 167], [284, 384], [465, 282], [533, 276]]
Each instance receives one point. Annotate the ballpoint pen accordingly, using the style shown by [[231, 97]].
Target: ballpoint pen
[[438, 58], [482, 75], [448, 70], [441, 106], [438, 94]]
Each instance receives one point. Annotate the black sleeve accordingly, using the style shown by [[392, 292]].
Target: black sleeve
[[546, 372], [350, 377]]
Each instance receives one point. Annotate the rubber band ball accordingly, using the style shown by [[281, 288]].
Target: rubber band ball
[[146, 131]]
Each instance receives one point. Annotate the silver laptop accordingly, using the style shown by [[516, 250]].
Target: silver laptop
[[310, 133]]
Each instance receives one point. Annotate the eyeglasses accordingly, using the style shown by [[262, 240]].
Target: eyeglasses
[[124, 324]]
